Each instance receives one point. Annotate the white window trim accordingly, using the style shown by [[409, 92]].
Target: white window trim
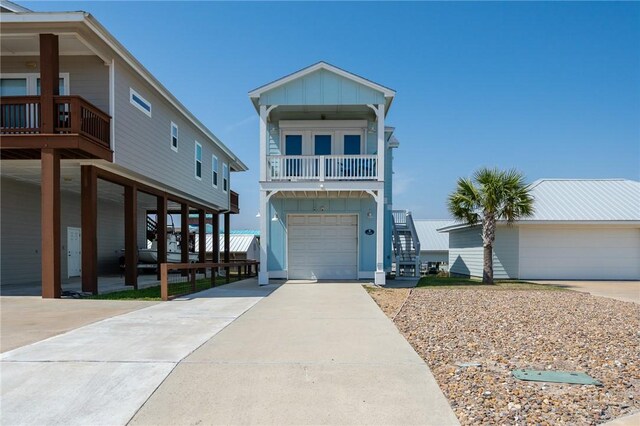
[[174, 125], [340, 140], [337, 139], [32, 78], [195, 161], [214, 161], [135, 104], [323, 133], [225, 176]]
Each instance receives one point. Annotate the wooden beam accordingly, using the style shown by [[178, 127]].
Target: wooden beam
[[202, 232], [78, 146], [49, 75], [50, 224], [89, 217], [131, 235], [161, 231]]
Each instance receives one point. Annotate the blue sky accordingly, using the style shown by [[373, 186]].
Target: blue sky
[[552, 89]]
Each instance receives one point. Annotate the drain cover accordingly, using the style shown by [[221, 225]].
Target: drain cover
[[571, 377]]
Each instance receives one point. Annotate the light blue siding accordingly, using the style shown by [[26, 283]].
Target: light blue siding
[[466, 252], [322, 88], [277, 250]]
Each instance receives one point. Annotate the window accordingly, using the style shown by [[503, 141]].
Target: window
[[174, 136], [293, 145], [25, 84], [198, 161], [214, 171], [351, 145], [225, 177], [322, 145], [139, 102]]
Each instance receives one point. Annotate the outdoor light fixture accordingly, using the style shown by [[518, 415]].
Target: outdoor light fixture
[[369, 214], [275, 217], [258, 215]]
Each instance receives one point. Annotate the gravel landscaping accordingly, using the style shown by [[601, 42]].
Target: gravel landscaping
[[507, 329]]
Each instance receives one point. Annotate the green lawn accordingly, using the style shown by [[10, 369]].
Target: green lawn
[[153, 293], [459, 282]]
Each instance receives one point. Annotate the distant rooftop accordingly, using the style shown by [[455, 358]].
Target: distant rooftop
[[430, 238]]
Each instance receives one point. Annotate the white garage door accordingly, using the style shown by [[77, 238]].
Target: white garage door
[[323, 246], [579, 253]]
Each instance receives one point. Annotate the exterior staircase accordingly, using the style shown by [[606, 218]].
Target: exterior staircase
[[406, 245]]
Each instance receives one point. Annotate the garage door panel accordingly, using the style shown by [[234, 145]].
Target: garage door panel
[[322, 246], [579, 253]]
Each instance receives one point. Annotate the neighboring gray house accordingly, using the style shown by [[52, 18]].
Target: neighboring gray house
[[586, 229], [434, 245], [92, 144]]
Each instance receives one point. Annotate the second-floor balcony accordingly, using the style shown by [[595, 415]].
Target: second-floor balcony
[[21, 123], [322, 167]]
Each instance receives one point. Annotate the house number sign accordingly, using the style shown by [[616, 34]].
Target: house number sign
[[369, 231]]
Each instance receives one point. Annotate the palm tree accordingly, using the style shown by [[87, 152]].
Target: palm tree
[[491, 196]]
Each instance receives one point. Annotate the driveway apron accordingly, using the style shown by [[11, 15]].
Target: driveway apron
[[102, 373], [307, 354]]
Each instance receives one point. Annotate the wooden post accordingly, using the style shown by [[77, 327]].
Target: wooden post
[[227, 230], [164, 282], [50, 222], [89, 213], [184, 236], [216, 238], [193, 272], [131, 235], [49, 77], [202, 232], [161, 230]]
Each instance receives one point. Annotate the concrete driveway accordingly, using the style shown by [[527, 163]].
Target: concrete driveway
[[627, 291], [307, 354], [102, 373]]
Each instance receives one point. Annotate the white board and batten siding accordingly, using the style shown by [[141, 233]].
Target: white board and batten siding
[[322, 246], [579, 252], [466, 252]]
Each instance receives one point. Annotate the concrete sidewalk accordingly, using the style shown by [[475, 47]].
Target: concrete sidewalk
[[102, 373], [308, 354], [626, 291]]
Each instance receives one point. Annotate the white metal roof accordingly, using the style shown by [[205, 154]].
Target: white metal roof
[[585, 200], [430, 238], [614, 201], [238, 243]]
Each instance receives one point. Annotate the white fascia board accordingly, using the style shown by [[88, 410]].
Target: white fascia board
[[388, 93], [122, 52], [326, 186]]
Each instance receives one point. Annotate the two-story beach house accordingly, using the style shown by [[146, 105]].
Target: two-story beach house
[[92, 146], [325, 176]]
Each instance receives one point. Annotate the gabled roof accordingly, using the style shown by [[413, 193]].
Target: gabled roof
[[580, 201], [430, 238], [9, 6], [255, 93]]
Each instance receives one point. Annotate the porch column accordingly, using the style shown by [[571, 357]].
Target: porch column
[[263, 275], [131, 236], [381, 144], [202, 231], [184, 234], [89, 218], [161, 230], [49, 75], [227, 229], [216, 238], [380, 277], [50, 223], [263, 143]]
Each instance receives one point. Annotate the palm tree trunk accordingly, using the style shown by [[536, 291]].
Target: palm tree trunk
[[488, 237]]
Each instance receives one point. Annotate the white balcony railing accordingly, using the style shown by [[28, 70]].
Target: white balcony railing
[[322, 167]]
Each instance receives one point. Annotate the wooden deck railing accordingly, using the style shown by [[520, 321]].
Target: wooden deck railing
[[180, 279], [21, 115], [234, 202]]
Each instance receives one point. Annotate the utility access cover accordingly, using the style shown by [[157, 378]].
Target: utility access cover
[[571, 377]]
